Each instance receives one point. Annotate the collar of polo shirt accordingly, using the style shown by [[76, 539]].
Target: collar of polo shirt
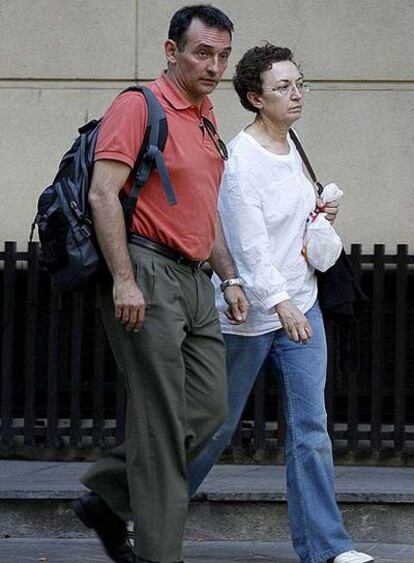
[[176, 99]]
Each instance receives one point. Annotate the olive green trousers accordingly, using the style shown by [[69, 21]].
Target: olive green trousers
[[176, 399]]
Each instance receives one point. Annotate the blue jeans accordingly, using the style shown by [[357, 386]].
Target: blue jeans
[[316, 524]]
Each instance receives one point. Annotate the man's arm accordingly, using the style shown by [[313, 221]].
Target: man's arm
[[108, 178], [222, 263]]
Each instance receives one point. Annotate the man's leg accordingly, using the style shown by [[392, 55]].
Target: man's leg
[[316, 524], [107, 508], [156, 425]]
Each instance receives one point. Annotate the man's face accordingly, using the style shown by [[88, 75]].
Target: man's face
[[198, 68]]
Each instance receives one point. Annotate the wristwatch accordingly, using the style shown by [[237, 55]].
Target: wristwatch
[[229, 282]]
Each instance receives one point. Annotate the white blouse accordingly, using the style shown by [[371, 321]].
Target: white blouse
[[265, 200]]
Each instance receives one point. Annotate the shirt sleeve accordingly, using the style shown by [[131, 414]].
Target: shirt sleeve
[[246, 234], [122, 130]]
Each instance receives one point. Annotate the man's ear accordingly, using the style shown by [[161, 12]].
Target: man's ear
[[255, 99], [170, 49]]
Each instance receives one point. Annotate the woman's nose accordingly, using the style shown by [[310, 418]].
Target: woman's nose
[[295, 91]]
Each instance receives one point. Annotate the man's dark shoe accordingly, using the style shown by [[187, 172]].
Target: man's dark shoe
[[111, 530]]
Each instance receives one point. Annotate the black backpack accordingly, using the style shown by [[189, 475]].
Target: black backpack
[[69, 248]]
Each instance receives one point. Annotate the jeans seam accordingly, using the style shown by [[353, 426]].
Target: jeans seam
[[314, 447]]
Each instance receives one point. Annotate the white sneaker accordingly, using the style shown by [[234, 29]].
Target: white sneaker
[[352, 557]]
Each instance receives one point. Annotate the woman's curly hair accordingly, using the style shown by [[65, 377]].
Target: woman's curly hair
[[249, 69]]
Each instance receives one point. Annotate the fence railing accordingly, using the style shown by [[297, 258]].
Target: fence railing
[[62, 396]]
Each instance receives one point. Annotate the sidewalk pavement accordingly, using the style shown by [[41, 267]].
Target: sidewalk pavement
[[27, 480], [60, 480], [48, 550]]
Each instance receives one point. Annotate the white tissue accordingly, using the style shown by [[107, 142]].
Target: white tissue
[[331, 192]]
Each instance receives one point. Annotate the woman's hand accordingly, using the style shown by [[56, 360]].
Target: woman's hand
[[331, 209], [296, 325]]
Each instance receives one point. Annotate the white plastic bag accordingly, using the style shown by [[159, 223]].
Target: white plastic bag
[[322, 245]]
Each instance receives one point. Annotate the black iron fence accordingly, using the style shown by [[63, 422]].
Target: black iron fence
[[62, 396]]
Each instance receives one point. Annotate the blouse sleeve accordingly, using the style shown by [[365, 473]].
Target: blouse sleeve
[[246, 234]]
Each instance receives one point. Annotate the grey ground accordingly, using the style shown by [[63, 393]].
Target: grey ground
[[48, 479], [89, 551], [42, 484]]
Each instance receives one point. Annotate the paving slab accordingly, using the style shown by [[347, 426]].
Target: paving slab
[[45, 550], [60, 480], [41, 479], [267, 482]]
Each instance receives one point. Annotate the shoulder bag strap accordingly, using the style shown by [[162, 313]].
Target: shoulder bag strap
[[306, 162]]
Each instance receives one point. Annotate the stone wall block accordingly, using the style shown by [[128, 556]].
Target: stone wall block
[[58, 39], [333, 39]]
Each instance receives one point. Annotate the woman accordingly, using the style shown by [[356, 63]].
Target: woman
[[265, 201]]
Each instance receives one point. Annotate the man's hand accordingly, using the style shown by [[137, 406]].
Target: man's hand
[[331, 209], [238, 305], [296, 325], [129, 305]]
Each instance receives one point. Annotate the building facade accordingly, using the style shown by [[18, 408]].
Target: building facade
[[62, 62]]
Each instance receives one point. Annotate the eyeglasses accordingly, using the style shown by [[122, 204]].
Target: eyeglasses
[[287, 90], [214, 136]]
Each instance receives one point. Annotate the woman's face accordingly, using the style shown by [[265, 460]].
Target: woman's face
[[282, 99]]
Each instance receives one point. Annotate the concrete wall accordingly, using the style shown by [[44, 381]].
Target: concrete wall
[[62, 62]]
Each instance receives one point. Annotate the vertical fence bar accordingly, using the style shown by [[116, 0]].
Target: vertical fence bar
[[400, 410], [52, 437], [351, 364], [32, 308], [9, 311], [98, 381], [377, 347], [78, 304], [330, 375], [259, 412]]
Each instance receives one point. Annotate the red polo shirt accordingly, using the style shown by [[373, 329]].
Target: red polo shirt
[[194, 165]]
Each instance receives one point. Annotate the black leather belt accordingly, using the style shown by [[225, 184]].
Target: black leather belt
[[164, 250]]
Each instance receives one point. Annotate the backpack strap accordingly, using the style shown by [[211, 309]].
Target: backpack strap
[[150, 154], [305, 161]]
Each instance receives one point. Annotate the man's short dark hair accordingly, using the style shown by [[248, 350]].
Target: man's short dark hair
[[206, 13], [249, 69]]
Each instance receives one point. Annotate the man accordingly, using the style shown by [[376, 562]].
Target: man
[[159, 308]]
